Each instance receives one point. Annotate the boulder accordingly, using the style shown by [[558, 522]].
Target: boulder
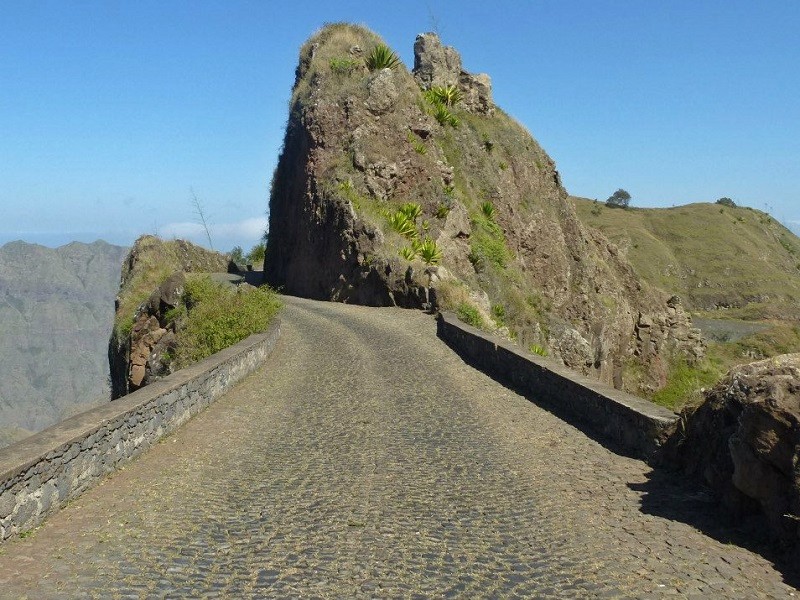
[[744, 442]]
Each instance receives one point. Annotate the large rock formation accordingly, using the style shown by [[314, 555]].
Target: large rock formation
[[744, 442], [359, 144], [144, 339]]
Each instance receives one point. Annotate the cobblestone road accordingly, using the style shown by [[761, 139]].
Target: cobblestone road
[[366, 460]]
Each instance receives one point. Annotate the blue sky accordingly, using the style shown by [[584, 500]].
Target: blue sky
[[112, 112]]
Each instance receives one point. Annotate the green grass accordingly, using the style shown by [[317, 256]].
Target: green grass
[[343, 66], [706, 257], [219, 316], [470, 315], [488, 244], [685, 383]]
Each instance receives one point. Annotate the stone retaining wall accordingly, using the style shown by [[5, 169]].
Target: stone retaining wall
[[631, 424], [40, 474]]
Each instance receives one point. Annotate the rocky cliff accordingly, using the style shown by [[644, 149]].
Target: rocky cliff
[[744, 442], [56, 312], [151, 285], [503, 241]]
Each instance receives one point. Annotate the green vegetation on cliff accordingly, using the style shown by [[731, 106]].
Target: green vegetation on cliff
[[736, 268], [177, 305]]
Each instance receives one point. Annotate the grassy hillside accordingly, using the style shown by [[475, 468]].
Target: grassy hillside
[[737, 269], [712, 256]]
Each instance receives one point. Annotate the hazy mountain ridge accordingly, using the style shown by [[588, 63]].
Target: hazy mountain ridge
[[56, 313]]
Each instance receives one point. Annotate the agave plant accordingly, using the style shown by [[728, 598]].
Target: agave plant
[[402, 224], [382, 57], [537, 349], [411, 210], [408, 253], [487, 208], [449, 95], [429, 252], [442, 114]]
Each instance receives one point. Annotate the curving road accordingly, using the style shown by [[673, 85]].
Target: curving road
[[366, 460]]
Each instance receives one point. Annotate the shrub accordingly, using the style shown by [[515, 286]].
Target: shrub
[[487, 208], [726, 202], [256, 254], [499, 313], [219, 316], [469, 314], [488, 245], [382, 57], [619, 199], [237, 254]]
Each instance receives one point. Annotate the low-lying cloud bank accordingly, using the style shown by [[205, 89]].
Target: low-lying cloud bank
[[224, 236]]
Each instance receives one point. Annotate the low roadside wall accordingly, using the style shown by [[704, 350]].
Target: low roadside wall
[[38, 475], [630, 424]]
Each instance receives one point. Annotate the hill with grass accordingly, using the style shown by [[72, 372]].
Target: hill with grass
[[713, 256], [412, 188], [56, 313]]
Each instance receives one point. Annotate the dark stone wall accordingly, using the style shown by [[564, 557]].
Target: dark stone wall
[[629, 424], [40, 474]]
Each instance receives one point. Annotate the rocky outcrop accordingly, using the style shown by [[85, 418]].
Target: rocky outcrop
[[144, 339], [360, 144], [439, 65], [152, 338], [744, 442]]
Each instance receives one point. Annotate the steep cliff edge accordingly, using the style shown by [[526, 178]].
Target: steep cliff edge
[[503, 241], [152, 283]]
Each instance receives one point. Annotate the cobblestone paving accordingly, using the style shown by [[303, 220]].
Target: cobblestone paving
[[366, 460]]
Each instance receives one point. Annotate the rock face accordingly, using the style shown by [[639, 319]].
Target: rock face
[[744, 442], [144, 338], [360, 144], [438, 65]]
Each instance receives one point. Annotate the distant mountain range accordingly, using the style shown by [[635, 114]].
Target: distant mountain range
[[56, 314]]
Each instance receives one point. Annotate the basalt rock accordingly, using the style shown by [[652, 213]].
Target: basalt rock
[[360, 144], [142, 354], [744, 442]]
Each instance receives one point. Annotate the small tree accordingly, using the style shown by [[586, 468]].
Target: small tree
[[237, 255], [619, 199], [727, 202], [256, 254]]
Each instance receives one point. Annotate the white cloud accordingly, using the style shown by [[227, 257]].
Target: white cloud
[[245, 233]]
